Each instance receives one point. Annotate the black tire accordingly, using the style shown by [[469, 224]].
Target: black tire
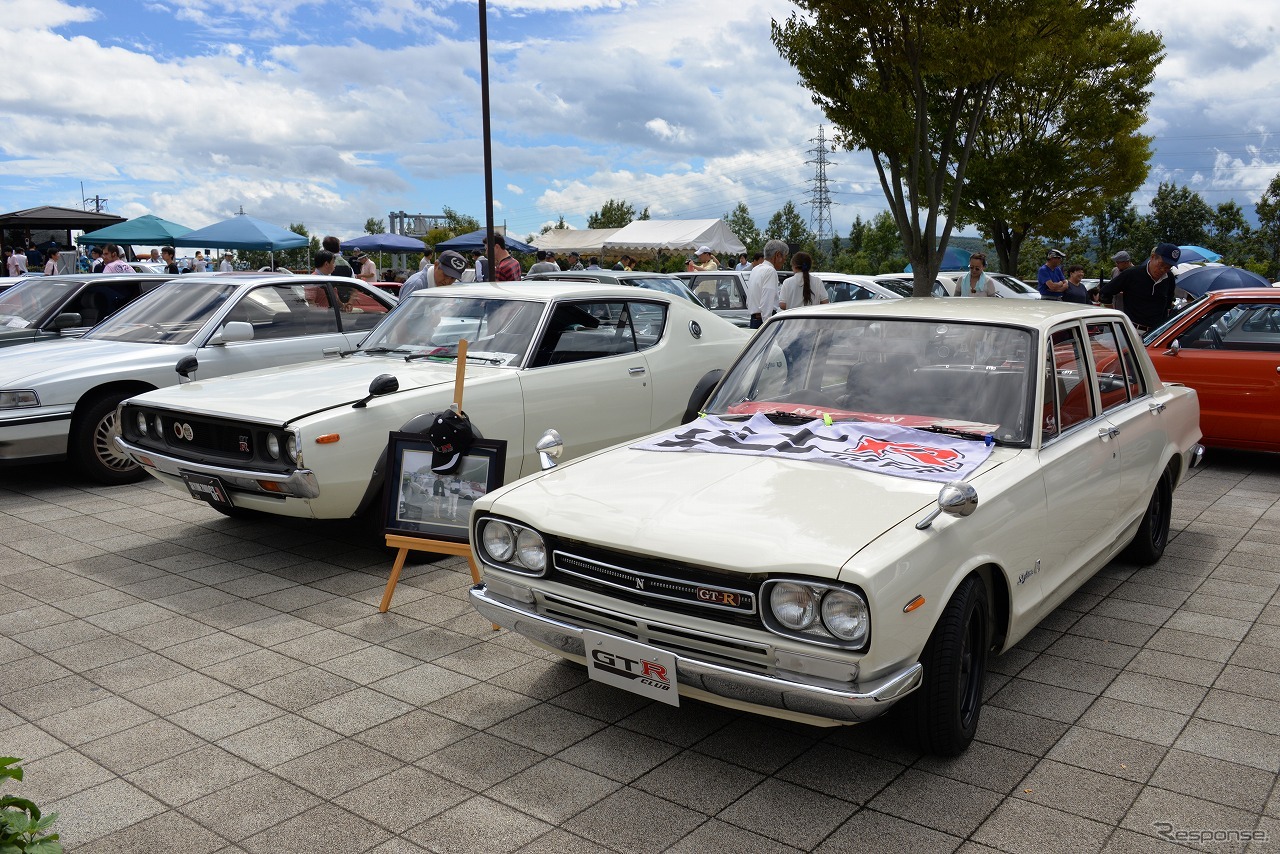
[[1149, 542], [946, 707], [92, 447]]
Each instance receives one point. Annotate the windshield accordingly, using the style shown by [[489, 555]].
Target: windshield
[[971, 379], [22, 305], [171, 314], [429, 325]]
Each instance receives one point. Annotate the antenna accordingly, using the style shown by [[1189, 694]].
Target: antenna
[[819, 199]]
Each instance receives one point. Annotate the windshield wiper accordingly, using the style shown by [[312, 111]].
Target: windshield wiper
[[961, 432], [454, 355], [372, 351]]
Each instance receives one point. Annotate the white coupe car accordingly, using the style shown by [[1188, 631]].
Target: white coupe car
[[881, 493], [610, 362], [58, 398]]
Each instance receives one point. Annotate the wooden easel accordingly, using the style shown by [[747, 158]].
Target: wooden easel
[[406, 544]]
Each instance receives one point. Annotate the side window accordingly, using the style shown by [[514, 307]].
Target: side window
[[1072, 395], [98, 302], [359, 311], [579, 331], [1257, 327], [1132, 372], [284, 311], [1109, 369], [648, 320]]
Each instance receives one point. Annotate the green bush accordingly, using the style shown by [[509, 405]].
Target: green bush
[[22, 828]]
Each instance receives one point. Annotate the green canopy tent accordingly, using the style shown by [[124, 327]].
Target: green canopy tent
[[147, 229]]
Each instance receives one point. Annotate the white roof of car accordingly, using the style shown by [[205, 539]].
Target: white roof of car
[[545, 289], [1034, 313]]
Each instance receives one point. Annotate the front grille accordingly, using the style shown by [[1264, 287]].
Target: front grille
[[714, 595], [203, 439], [235, 441]]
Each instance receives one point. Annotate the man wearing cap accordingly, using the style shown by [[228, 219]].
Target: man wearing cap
[[1052, 281], [1122, 262], [542, 265], [1147, 289], [447, 270], [575, 261], [706, 261]]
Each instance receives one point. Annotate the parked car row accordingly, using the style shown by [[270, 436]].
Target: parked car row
[[872, 452]]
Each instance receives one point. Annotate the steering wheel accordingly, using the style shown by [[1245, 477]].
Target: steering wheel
[[1215, 338]]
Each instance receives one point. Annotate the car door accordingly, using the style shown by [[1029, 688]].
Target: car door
[[1136, 418], [287, 329], [1231, 356], [1079, 463], [587, 378]]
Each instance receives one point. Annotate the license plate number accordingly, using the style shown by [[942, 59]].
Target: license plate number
[[631, 666], [207, 489]]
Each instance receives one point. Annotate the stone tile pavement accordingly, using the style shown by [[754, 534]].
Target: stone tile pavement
[[180, 682]]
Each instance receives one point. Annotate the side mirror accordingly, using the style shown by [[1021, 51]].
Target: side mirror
[[954, 499], [187, 366], [1174, 348], [233, 331], [380, 385], [66, 320], [549, 449]]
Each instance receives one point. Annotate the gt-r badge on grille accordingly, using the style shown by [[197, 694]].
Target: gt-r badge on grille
[[244, 444]]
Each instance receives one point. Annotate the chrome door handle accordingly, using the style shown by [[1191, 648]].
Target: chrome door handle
[[1156, 407], [330, 351], [1108, 432], [635, 372]]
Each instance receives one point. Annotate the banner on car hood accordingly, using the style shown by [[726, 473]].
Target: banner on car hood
[[884, 448]]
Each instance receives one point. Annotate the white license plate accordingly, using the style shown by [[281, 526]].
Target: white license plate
[[631, 666]]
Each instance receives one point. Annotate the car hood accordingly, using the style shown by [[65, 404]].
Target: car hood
[[50, 360], [741, 513], [279, 395]]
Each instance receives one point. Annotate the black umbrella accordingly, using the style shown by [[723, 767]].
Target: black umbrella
[[1201, 281]]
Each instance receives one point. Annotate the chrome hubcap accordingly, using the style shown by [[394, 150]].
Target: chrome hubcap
[[104, 447]]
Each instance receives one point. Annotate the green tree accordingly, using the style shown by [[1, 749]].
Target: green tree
[[1061, 137], [911, 83], [743, 226], [1179, 215], [1230, 233], [456, 223], [614, 214], [787, 225], [857, 233], [1268, 234], [375, 226], [882, 245]]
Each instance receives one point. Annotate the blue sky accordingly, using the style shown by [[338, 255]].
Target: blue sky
[[328, 113]]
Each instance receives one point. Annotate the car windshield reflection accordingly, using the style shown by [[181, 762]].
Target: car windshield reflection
[[171, 314], [970, 379], [497, 331]]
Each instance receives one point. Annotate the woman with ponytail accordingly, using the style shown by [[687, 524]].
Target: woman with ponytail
[[803, 288]]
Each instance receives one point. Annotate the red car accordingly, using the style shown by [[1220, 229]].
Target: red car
[[1227, 347]]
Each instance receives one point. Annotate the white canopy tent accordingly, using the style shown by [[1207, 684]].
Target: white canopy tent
[[657, 236], [586, 241]]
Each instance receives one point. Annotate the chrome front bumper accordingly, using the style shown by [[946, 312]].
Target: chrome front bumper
[[299, 483], [739, 686]]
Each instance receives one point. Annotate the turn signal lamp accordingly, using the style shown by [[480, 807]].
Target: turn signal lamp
[[328, 438]]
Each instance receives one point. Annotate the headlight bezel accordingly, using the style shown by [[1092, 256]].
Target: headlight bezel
[[514, 562], [818, 632]]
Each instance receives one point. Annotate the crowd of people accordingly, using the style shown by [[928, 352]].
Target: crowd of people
[[1145, 291]]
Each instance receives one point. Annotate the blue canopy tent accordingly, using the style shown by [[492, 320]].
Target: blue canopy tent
[[473, 241], [244, 232], [953, 259], [1205, 279], [147, 229], [385, 243]]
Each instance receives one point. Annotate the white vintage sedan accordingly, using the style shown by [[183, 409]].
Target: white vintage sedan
[[617, 362], [879, 494], [58, 398]]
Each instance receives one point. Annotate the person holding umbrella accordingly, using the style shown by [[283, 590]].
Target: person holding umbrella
[[1147, 288]]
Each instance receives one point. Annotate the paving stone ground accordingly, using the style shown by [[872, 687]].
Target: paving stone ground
[[181, 682]]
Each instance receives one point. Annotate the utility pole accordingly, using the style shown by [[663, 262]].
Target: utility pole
[[819, 198]]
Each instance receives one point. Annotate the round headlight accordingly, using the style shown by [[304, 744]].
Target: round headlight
[[845, 615], [273, 446], [498, 541], [142, 423], [795, 606], [291, 446], [531, 550]]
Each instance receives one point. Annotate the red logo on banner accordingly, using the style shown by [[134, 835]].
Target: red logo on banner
[[908, 454]]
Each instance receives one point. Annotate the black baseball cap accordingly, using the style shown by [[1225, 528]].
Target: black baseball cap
[[451, 436]]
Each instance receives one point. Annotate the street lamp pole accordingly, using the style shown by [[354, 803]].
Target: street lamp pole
[[488, 148]]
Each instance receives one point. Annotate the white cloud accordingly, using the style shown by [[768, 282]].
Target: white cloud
[[512, 188]]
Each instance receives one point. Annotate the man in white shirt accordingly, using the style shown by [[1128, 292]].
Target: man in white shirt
[[225, 266], [18, 263], [762, 287]]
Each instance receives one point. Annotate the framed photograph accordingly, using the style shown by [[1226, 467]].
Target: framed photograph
[[435, 506]]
